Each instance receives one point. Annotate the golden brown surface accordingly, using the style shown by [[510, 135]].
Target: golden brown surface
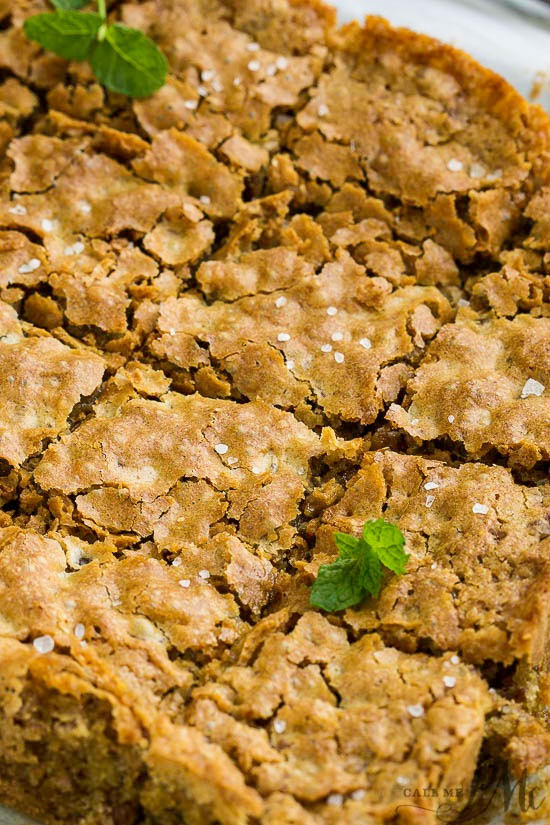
[[302, 286]]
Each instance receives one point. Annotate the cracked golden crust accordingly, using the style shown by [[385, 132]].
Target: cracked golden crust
[[479, 567], [179, 486], [470, 387]]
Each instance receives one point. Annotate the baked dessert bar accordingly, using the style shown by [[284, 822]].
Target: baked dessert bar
[[303, 286]]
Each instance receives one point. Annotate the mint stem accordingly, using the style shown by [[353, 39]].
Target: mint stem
[[102, 8]]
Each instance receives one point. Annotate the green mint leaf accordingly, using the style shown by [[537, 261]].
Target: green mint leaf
[[127, 61], [69, 34], [370, 570], [358, 568], [69, 4], [337, 586], [346, 544], [386, 540]]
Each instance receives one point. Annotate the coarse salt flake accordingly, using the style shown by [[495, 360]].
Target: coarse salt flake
[[482, 509], [331, 310], [75, 249], [449, 681], [207, 75], [477, 171], [281, 63], [184, 582], [43, 644], [455, 165], [279, 726], [339, 357], [47, 224], [221, 449], [532, 387], [326, 348], [335, 799], [205, 199], [280, 302], [85, 207], [191, 104], [431, 485], [454, 659], [283, 336], [177, 562], [290, 364], [19, 209], [80, 631], [204, 574], [254, 65], [337, 336], [30, 266], [450, 419], [429, 500], [365, 343], [358, 795], [322, 110], [415, 710]]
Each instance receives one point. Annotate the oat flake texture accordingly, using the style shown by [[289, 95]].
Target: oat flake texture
[[301, 287]]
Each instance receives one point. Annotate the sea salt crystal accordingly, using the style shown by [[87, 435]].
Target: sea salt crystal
[[76, 249], [279, 726], [429, 500], [532, 387], [455, 165], [365, 343], [191, 104], [43, 644], [322, 111], [326, 348], [85, 207], [335, 799], [290, 364], [281, 63], [415, 710], [184, 582], [221, 449], [30, 266], [358, 795], [337, 336], [450, 419], [19, 209], [254, 65], [280, 302], [482, 509], [47, 225], [202, 91], [283, 336], [431, 485], [205, 199], [204, 574], [207, 75], [454, 660], [331, 311], [80, 631], [449, 681], [339, 357], [477, 171]]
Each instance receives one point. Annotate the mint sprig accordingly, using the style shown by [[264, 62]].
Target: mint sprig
[[358, 570], [123, 59]]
